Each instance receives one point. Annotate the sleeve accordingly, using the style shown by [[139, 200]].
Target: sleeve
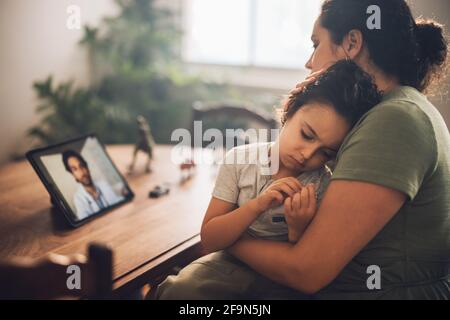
[[323, 184], [226, 187], [393, 146]]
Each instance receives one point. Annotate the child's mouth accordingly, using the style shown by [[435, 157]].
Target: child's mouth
[[300, 163]]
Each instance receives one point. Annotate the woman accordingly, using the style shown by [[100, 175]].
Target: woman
[[383, 228]]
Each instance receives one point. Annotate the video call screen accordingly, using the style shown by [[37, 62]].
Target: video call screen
[[82, 176]]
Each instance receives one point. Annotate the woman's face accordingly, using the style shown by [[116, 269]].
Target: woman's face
[[326, 52], [311, 137]]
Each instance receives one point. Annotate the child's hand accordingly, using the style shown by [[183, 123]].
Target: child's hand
[[275, 194], [299, 210]]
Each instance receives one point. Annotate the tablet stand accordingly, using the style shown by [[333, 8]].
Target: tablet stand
[[53, 201]]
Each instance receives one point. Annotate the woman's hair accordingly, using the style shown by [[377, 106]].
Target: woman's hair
[[344, 86], [414, 52]]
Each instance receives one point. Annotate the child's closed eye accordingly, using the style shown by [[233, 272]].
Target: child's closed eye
[[306, 137]]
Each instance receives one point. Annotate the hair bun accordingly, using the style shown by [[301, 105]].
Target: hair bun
[[432, 42]]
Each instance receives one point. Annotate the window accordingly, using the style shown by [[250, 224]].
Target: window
[[266, 33]]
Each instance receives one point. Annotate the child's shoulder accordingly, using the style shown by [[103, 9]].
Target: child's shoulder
[[251, 147], [246, 154], [320, 175]]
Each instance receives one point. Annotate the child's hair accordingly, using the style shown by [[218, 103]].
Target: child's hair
[[344, 86]]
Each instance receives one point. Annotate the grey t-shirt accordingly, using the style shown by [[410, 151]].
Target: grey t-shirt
[[243, 175]]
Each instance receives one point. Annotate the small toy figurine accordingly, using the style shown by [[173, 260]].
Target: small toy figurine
[[159, 191], [187, 166], [145, 143]]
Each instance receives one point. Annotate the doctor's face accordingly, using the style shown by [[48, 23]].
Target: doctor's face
[[79, 171]]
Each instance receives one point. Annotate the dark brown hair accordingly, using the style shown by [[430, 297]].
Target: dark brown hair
[[344, 86], [414, 52], [72, 154]]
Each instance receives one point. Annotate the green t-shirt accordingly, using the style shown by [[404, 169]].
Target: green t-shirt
[[403, 144]]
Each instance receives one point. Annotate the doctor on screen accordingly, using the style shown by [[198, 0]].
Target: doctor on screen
[[90, 197]]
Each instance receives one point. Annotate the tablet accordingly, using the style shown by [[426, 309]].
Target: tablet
[[81, 178]]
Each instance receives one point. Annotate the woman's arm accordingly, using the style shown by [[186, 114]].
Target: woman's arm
[[350, 215]]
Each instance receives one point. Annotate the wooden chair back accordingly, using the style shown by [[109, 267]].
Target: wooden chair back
[[254, 118], [57, 276]]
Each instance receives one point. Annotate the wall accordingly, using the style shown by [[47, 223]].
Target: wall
[[440, 11], [35, 43]]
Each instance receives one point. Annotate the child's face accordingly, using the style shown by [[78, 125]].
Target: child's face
[[311, 137]]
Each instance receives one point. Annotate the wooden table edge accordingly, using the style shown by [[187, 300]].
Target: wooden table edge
[[155, 270]]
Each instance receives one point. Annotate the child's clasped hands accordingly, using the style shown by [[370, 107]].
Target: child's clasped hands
[[300, 203]]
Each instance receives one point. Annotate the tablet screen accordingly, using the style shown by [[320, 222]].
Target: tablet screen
[[80, 177]]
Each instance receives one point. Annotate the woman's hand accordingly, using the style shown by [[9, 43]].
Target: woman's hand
[[275, 194], [299, 87], [299, 210]]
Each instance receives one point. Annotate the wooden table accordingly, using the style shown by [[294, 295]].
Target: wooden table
[[148, 236]]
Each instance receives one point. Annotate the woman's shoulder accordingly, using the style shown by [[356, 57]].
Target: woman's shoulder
[[403, 110], [394, 144], [404, 104]]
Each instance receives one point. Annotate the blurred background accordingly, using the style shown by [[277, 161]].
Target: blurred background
[[150, 58]]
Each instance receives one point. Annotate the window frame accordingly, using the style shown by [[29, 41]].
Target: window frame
[[250, 65]]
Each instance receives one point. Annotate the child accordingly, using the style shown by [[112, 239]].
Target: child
[[314, 122]]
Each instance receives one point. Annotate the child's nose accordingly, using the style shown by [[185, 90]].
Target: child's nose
[[308, 153]]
